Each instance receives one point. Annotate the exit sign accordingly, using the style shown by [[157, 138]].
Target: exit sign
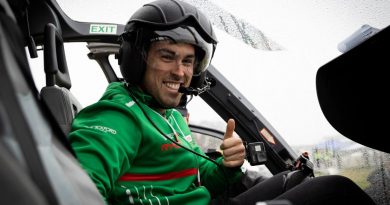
[[102, 29]]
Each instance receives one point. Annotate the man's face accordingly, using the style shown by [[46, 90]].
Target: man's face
[[168, 66]]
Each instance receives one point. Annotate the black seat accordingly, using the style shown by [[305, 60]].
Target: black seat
[[56, 94], [37, 166]]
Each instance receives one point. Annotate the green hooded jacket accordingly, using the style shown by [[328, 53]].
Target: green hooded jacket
[[131, 162]]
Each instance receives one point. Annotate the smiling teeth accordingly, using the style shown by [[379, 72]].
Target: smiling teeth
[[173, 85]]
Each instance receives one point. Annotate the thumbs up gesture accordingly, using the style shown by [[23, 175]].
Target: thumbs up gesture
[[232, 147]]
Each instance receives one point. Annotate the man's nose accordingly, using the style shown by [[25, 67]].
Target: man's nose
[[179, 69]]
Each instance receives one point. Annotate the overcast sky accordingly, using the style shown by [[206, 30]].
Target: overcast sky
[[280, 84]]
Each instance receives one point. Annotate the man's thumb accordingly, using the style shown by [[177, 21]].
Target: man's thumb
[[229, 128]]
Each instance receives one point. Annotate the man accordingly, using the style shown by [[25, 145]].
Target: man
[[135, 146], [132, 144]]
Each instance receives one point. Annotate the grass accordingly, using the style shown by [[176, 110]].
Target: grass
[[358, 175]]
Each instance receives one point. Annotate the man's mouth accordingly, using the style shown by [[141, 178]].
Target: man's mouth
[[171, 85]]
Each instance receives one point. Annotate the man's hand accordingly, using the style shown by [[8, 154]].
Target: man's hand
[[232, 147]]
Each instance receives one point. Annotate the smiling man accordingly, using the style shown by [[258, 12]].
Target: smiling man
[[149, 155]]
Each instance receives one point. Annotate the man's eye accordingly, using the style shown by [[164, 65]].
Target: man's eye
[[168, 57], [188, 62]]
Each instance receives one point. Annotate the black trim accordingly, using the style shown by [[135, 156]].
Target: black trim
[[228, 102], [207, 131]]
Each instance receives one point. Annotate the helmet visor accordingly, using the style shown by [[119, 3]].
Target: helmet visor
[[188, 34]]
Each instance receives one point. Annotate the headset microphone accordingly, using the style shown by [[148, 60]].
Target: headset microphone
[[188, 91], [192, 91]]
